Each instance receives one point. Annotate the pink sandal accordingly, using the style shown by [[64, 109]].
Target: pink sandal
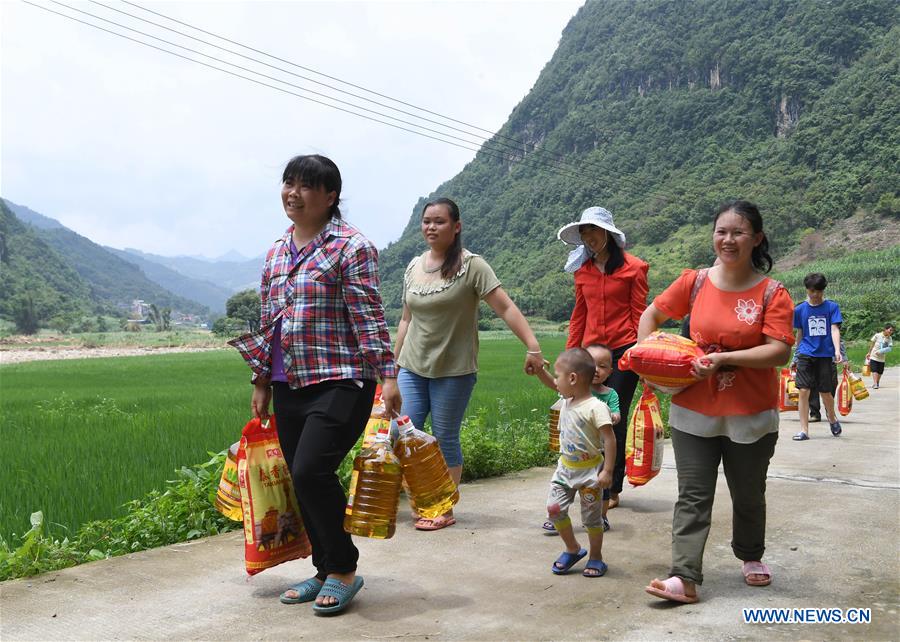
[[436, 524], [674, 591], [756, 568]]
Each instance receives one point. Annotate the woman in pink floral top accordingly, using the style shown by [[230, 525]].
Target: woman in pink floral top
[[743, 320]]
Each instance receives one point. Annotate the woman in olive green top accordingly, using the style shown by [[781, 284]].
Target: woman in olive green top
[[437, 340]]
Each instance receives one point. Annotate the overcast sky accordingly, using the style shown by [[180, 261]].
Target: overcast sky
[[132, 147]]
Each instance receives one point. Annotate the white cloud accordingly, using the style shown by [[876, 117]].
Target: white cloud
[[132, 147]]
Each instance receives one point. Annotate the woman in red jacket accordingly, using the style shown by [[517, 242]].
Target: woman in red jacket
[[610, 296]]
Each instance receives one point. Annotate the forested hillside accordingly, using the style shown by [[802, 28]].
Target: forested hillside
[[204, 292], [659, 111], [34, 279], [113, 281], [51, 273]]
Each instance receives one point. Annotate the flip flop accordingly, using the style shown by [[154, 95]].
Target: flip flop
[[800, 436], [337, 589], [674, 591], [307, 591], [549, 528], [595, 565], [613, 501], [566, 561], [756, 568], [436, 524]]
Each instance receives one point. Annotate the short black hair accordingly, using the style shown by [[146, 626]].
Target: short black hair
[[580, 361], [316, 171], [815, 281], [888, 326]]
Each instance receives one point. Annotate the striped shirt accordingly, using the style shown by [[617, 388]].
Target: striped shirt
[[329, 308]]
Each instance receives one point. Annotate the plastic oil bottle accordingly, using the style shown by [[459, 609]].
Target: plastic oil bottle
[[374, 490], [857, 387], [553, 425], [432, 490]]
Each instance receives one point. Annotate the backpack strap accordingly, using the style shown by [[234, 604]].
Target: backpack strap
[[771, 288], [698, 283]]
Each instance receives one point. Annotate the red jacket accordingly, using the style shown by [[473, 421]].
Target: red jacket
[[608, 307]]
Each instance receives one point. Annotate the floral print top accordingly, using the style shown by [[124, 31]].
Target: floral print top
[[726, 321]]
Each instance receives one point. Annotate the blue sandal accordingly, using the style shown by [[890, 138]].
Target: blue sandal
[[595, 565], [549, 528], [342, 592], [566, 561], [307, 591]]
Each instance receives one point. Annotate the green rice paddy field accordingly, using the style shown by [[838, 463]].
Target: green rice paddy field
[[82, 437]]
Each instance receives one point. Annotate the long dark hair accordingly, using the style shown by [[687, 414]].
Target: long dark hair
[[453, 259], [316, 170], [760, 256], [616, 255]]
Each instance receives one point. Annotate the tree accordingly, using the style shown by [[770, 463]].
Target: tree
[[244, 306], [24, 315], [160, 318]]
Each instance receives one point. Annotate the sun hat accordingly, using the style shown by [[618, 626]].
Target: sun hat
[[591, 216], [569, 234]]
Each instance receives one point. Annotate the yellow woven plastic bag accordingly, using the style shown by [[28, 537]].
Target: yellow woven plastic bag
[[644, 441]]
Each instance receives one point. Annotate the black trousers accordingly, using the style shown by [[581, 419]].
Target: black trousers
[[317, 427], [624, 383]]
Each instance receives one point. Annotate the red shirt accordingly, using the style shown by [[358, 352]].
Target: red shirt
[[731, 321], [608, 307]]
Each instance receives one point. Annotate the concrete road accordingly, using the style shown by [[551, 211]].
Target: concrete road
[[832, 542]]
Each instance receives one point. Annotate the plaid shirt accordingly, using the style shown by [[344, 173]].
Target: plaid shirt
[[329, 307]]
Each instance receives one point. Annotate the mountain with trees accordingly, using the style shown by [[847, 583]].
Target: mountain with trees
[[661, 110], [209, 294], [231, 275], [36, 283], [53, 276]]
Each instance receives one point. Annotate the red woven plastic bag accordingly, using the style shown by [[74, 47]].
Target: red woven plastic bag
[[787, 396], [844, 395], [663, 359], [273, 529], [644, 441]]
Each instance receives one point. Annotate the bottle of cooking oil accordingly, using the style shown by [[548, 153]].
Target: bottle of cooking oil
[[792, 391], [374, 490], [553, 421], [857, 387], [432, 491]]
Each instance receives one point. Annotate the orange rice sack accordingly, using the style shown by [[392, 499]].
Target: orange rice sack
[[273, 530], [787, 400], [844, 395], [664, 360], [644, 441]]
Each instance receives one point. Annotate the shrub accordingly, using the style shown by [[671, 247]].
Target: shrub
[[181, 512]]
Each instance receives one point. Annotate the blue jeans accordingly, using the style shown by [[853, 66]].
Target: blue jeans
[[445, 398]]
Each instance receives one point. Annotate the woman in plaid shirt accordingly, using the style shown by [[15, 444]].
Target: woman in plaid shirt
[[323, 343]]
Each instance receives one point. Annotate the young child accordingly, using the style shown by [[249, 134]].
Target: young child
[[880, 344], [602, 356], [585, 432], [817, 325]]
